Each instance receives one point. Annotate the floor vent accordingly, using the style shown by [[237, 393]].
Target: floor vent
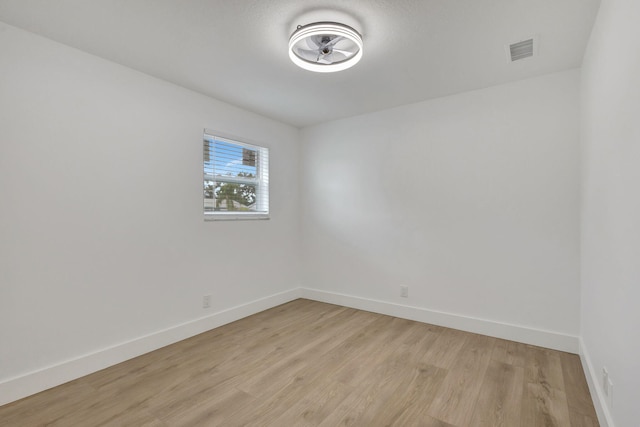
[[521, 50]]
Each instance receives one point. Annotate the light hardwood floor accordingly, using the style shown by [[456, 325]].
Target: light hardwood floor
[[307, 363]]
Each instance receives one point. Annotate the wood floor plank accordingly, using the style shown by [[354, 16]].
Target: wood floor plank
[[134, 418], [418, 343], [423, 421], [46, 407], [300, 385], [544, 398], [544, 407], [236, 367], [100, 409], [510, 352], [307, 363], [576, 387], [543, 367], [322, 357], [338, 360], [500, 401], [363, 405], [457, 396], [271, 375], [580, 420], [220, 409], [317, 405], [444, 351], [376, 350], [408, 402]]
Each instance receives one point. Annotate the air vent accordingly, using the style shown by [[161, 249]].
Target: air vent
[[521, 50]]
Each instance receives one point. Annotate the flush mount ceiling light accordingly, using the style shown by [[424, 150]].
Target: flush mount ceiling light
[[325, 47]]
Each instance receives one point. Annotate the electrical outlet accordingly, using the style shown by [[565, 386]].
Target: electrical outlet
[[404, 291], [206, 301]]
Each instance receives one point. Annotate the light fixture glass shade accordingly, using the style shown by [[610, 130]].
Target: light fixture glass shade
[[325, 47]]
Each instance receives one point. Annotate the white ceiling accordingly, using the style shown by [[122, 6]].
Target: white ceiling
[[236, 50]]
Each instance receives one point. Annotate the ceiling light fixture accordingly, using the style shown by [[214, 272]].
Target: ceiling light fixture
[[325, 47]]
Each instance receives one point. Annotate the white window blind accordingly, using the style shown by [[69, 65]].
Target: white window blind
[[235, 178]]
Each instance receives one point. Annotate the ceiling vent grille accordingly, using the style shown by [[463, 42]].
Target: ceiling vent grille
[[521, 50]]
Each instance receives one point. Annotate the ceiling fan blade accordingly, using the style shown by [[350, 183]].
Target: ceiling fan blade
[[333, 41], [307, 54], [346, 53], [334, 57], [314, 42]]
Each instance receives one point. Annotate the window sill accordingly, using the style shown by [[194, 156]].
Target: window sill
[[234, 216]]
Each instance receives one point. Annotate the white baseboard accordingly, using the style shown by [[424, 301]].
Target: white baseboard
[[597, 394], [539, 337], [25, 385]]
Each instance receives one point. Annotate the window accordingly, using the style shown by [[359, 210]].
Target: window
[[236, 179]]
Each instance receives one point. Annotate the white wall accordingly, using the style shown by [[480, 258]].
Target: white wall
[[470, 200], [611, 205], [102, 237]]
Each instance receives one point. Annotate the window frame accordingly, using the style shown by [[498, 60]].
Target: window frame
[[261, 181]]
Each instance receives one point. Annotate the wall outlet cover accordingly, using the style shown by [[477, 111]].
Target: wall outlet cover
[[404, 291], [206, 301]]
